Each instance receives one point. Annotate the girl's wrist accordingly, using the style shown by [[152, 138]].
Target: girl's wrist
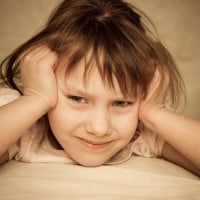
[[46, 103], [151, 118], [36, 102]]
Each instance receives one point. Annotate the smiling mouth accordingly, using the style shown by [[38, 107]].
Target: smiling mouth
[[93, 145]]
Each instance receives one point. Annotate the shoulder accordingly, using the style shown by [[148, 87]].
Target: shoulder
[[8, 95], [147, 143], [28, 146]]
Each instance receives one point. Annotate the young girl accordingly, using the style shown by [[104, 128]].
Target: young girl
[[91, 89]]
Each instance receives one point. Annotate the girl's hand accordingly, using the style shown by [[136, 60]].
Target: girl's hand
[[155, 99], [37, 74]]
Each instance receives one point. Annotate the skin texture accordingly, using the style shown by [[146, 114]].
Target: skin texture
[[93, 120], [34, 84], [40, 95]]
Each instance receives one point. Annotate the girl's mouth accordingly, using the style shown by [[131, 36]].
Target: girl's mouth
[[93, 144]]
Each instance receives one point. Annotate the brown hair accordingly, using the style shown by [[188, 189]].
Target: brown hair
[[115, 29]]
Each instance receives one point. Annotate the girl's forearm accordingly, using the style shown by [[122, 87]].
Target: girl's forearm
[[182, 132], [17, 117]]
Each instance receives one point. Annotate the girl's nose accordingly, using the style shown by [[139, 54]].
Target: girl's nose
[[98, 123]]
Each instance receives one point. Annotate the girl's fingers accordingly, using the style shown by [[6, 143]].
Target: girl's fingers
[[158, 86]]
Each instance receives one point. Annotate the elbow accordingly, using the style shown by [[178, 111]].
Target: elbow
[[195, 170], [4, 158]]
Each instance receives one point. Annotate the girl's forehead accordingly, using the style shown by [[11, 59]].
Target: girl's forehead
[[92, 82], [87, 70], [89, 77]]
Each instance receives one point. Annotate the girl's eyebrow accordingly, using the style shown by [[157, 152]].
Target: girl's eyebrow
[[81, 92]]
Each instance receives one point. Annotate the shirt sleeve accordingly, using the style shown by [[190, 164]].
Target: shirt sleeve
[[8, 95], [148, 144]]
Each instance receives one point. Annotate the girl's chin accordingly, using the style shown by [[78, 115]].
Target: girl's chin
[[90, 162]]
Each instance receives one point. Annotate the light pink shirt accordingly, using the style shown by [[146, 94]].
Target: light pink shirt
[[34, 145]]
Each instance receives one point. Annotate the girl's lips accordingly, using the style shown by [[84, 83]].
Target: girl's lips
[[93, 144]]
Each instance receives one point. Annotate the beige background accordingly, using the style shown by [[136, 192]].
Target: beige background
[[177, 22]]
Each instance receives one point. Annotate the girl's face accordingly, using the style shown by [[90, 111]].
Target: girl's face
[[91, 121]]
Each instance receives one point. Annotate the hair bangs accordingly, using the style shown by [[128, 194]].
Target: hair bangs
[[100, 48]]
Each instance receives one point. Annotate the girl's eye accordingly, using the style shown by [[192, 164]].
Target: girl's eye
[[77, 99], [121, 103]]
